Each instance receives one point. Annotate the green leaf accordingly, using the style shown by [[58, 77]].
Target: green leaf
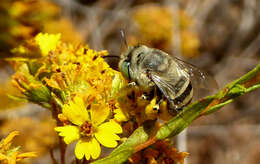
[[237, 89], [183, 119], [39, 94], [126, 149], [17, 98], [117, 84]]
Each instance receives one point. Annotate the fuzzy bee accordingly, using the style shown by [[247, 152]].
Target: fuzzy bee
[[170, 78]]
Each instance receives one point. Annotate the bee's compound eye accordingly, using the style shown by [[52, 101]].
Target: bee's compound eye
[[139, 55], [125, 69]]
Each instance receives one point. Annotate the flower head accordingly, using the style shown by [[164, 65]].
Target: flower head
[[160, 35], [11, 155], [47, 42], [90, 126], [162, 152]]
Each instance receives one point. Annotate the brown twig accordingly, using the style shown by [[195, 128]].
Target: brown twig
[[252, 81], [54, 161], [150, 141], [214, 102], [145, 144], [77, 161], [63, 147]]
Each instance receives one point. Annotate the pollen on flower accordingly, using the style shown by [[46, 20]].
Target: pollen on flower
[[63, 119], [86, 128]]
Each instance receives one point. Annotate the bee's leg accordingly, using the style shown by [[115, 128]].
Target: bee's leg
[[132, 84], [174, 109], [157, 106], [159, 100], [131, 96], [148, 95], [145, 96]]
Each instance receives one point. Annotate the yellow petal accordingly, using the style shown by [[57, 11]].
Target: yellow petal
[[107, 140], [89, 148], [99, 113], [81, 107], [26, 155], [120, 116], [111, 126], [70, 133], [76, 111], [3, 157], [80, 150], [47, 42], [106, 134], [12, 158], [9, 138], [95, 147]]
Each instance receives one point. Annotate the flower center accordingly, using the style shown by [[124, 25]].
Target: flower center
[[86, 128]]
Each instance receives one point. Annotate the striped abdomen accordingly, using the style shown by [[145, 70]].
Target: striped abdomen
[[184, 94]]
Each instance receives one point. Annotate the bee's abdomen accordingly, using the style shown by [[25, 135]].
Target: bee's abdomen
[[184, 97]]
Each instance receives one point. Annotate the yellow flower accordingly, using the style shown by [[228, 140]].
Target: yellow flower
[[47, 42], [89, 126]]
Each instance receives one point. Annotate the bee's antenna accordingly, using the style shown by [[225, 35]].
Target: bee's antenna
[[111, 56], [123, 37]]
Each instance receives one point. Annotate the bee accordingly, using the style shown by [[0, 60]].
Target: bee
[[157, 72]]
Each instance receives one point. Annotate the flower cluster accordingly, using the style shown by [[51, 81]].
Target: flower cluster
[[10, 155], [23, 19], [78, 86], [162, 152], [42, 126], [131, 106], [161, 35]]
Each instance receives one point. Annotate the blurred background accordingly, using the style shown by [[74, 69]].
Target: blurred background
[[221, 37]]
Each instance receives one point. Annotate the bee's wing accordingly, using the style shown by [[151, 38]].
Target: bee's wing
[[202, 82], [199, 78], [164, 84]]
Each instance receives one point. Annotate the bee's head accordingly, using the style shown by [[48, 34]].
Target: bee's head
[[129, 58], [125, 61]]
